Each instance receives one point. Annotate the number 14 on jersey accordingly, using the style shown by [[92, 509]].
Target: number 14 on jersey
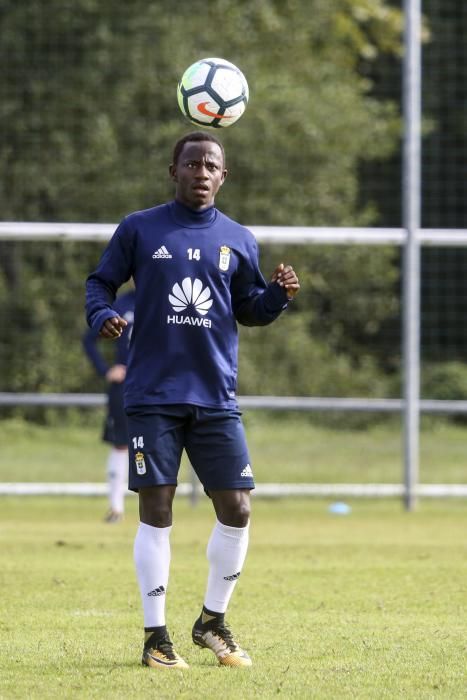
[[193, 253]]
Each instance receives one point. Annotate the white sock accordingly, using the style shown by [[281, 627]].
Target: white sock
[[152, 560], [227, 548], [117, 478]]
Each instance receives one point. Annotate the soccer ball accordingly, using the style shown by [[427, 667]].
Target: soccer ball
[[213, 93]]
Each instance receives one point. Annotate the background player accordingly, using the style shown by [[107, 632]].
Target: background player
[[196, 274], [115, 427]]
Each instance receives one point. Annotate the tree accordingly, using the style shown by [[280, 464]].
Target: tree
[[89, 116]]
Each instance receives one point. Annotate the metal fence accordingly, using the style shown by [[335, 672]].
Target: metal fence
[[409, 491], [437, 174]]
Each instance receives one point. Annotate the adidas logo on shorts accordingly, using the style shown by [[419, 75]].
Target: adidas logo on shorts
[[162, 252], [247, 471]]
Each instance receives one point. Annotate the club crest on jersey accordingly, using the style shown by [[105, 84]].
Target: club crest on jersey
[[224, 258], [140, 463]]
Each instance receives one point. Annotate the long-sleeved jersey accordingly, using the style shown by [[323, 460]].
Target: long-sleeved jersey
[[124, 305], [196, 274]]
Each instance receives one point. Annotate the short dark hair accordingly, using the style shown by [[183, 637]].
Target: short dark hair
[[195, 136]]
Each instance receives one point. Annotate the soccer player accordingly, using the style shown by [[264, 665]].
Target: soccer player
[[196, 275], [115, 427]]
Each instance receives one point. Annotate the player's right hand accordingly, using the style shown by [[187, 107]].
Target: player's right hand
[[113, 327]]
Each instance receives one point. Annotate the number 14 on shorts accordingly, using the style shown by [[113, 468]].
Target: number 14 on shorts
[[137, 442]]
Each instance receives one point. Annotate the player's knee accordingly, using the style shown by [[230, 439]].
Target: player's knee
[[242, 517], [155, 507], [160, 517], [235, 514]]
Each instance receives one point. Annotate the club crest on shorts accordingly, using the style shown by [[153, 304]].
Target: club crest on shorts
[[140, 463], [224, 258]]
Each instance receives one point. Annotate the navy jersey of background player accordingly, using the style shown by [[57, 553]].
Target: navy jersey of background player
[[125, 306], [195, 272]]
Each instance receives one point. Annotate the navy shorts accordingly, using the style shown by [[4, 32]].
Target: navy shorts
[[115, 426], [213, 438]]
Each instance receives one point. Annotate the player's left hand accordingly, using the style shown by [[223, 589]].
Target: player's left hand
[[286, 277], [116, 374]]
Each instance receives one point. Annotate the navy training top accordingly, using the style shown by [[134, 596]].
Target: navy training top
[[195, 274]]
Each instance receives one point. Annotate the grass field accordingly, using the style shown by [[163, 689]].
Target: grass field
[[368, 605], [281, 450]]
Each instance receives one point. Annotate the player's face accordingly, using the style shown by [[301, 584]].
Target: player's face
[[198, 174]]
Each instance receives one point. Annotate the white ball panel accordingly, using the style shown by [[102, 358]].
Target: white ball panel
[[221, 62], [180, 99], [232, 114], [195, 75], [202, 107], [227, 83]]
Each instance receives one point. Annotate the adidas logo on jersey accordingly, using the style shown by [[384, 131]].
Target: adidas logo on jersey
[[247, 471], [160, 590], [161, 252]]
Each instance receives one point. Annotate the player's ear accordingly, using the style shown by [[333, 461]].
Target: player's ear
[[224, 175], [173, 171]]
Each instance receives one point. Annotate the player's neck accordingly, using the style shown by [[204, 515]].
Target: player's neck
[[192, 218]]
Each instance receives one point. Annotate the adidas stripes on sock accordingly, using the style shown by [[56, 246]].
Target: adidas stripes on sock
[[152, 561], [226, 554]]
